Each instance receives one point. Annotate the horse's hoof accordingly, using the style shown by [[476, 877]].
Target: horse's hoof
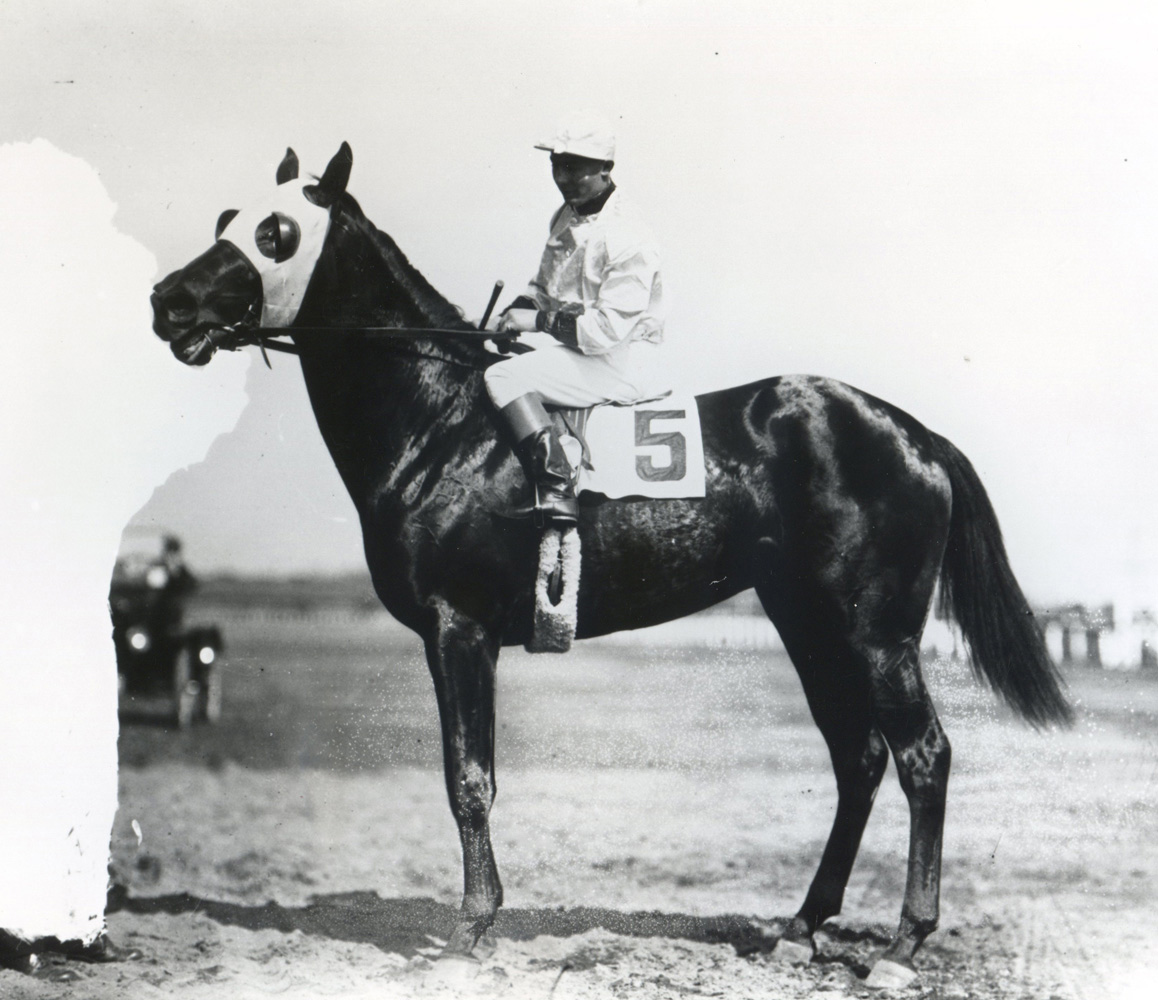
[[103, 950], [58, 974], [486, 946], [889, 975], [26, 963], [792, 952], [453, 970]]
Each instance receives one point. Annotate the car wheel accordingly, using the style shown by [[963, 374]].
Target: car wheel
[[185, 688], [211, 694]]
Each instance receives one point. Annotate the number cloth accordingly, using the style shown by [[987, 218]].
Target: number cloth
[[599, 278], [649, 450]]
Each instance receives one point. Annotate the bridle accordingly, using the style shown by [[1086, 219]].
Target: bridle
[[236, 336], [246, 332]]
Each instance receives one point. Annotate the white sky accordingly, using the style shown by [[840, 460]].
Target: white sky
[[78, 461], [953, 207]]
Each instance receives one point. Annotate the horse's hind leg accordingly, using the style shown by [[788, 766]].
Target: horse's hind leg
[[905, 714], [861, 690], [462, 656], [839, 697]]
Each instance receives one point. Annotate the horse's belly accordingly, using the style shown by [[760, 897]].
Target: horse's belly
[[653, 561]]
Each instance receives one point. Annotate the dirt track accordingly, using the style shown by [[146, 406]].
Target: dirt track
[[651, 801]]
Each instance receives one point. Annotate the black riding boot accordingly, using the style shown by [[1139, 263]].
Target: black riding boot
[[544, 460], [554, 480]]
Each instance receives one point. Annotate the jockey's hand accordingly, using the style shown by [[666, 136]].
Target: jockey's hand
[[518, 321]]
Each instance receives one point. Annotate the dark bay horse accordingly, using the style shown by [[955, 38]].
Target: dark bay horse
[[841, 511]]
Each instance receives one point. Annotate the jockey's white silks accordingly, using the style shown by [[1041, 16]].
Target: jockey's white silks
[[283, 284]]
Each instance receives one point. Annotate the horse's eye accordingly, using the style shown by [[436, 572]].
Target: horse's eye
[[223, 220], [277, 236]]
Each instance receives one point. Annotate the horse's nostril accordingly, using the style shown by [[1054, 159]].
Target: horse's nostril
[[179, 308]]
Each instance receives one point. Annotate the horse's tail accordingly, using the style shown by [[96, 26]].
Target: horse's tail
[[980, 592]]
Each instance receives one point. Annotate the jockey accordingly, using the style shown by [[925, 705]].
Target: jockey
[[598, 294]]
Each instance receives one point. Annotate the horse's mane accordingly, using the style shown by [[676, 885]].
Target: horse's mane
[[434, 309]]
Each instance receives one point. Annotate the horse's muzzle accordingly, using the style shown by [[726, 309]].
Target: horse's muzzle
[[175, 321], [195, 323], [174, 313]]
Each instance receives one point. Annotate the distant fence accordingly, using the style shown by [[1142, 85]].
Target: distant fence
[[1075, 633], [257, 615], [1063, 624], [713, 629], [734, 630], [1096, 636]]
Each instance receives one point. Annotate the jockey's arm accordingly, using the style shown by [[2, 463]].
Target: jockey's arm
[[521, 315], [524, 301], [622, 311]]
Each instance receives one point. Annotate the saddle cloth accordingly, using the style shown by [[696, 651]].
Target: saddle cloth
[[651, 449]]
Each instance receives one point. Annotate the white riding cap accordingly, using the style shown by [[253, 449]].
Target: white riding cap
[[584, 134]]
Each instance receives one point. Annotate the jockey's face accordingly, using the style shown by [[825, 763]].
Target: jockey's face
[[578, 178]]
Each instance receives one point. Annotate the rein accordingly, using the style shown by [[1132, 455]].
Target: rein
[[264, 338], [239, 335], [469, 333]]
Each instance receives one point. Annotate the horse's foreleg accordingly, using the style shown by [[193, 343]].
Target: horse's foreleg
[[462, 656], [922, 754]]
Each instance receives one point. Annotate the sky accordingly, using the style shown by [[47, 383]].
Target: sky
[[79, 461], [952, 207]]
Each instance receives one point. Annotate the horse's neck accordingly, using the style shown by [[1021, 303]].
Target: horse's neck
[[381, 405], [379, 411], [363, 278]]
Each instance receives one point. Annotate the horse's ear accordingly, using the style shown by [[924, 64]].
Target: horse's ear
[[334, 180], [287, 170], [223, 220]]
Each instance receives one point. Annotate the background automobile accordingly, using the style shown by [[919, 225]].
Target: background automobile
[[159, 658]]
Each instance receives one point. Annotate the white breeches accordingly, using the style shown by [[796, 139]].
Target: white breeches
[[565, 377]]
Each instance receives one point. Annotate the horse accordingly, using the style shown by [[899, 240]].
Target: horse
[[841, 511]]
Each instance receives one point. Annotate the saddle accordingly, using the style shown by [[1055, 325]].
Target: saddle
[[651, 449]]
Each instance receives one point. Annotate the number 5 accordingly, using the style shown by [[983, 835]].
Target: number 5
[[673, 440]]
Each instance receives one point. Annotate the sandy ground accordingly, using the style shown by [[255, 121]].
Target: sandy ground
[[652, 801]]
